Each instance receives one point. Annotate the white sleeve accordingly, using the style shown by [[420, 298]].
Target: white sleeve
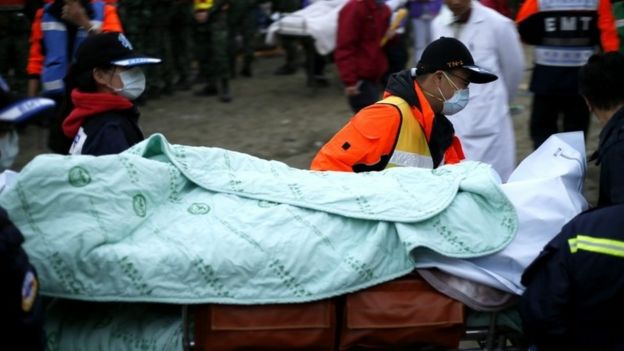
[[395, 4], [510, 56]]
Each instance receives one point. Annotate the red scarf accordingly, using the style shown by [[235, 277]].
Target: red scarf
[[89, 104]]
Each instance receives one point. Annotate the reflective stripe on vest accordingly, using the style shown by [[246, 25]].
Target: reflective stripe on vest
[[56, 63], [411, 149], [562, 57], [569, 32], [563, 5], [203, 4], [597, 245]]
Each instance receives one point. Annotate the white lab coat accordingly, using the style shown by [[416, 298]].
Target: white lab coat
[[484, 126]]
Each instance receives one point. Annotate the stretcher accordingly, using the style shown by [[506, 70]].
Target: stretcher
[[76, 325], [295, 27], [319, 21], [316, 27], [137, 271]]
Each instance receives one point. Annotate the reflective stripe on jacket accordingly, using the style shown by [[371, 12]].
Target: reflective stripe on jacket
[[577, 26], [565, 33], [575, 287], [47, 31], [202, 5], [596, 245], [56, 61]]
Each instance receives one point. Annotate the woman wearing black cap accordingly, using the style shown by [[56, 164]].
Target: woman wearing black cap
[[102, 83]]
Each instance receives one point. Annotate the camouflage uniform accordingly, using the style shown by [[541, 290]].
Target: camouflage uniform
[[242, 19], [146, 24], [132, 14], [288, 44], [180, 28], [157, 43], [211, 40], [14, 32]]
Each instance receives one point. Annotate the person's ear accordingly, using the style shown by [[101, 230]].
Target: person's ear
[[101, 76], [439, 77]]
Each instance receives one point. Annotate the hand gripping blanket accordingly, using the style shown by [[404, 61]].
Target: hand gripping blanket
[[180, 224]]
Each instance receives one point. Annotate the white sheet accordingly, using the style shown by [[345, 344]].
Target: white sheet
[[319, 21], [546, 189]]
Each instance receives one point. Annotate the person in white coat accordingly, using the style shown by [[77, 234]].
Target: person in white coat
[[484, 126]]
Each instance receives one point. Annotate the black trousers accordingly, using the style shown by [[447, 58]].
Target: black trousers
[[546, 112], [369, 94]]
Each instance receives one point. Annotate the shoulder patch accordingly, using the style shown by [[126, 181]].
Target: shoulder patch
[[29, 291]]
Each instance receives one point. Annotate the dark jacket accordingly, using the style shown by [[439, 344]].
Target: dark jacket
[[575, 288], [359, 55], [610, 157], [21, 316], [111, 132], [102, 124]]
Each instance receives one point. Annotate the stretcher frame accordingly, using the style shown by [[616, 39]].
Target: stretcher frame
[[307, 42], [489, 338]]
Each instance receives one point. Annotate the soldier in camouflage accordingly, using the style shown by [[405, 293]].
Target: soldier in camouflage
[[242, 20], [211, 38], [147, 25], [290, 45], [181, 27]]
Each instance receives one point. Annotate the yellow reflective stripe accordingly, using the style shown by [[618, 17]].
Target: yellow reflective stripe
[[203, 4], [598, 245], [572, 243]]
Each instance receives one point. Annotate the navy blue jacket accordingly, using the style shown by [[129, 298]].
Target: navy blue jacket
[[21, 312], [111, 132], [610, 157], [575, 288]]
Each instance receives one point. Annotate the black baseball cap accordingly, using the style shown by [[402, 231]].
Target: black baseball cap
[[110, 48], [445, 54]]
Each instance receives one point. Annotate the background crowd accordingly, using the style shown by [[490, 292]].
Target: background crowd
[[205, 44]]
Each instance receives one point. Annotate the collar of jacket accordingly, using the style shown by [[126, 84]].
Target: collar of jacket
[[403, 85], [612, 132], [476, 14], [87, 105], [438, 129]]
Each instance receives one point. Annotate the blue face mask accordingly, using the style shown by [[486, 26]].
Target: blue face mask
[[457, 102]]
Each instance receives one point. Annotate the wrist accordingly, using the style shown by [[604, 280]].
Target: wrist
[[92, 28]]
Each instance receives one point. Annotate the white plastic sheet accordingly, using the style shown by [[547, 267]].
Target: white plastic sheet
[[546, 189], [318, 21]]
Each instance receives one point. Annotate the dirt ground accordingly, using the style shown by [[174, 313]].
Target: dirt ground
[[274, 117]]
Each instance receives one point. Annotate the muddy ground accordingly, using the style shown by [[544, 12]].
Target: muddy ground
[[273, 117]]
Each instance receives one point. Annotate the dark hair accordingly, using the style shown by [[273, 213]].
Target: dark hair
[[601, 80], [81, 79]]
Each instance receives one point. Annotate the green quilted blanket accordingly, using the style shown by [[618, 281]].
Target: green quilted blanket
[[180, 224]]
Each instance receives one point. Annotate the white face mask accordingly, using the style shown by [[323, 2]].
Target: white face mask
[[9, 147], [457, 102], [133, 81]]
